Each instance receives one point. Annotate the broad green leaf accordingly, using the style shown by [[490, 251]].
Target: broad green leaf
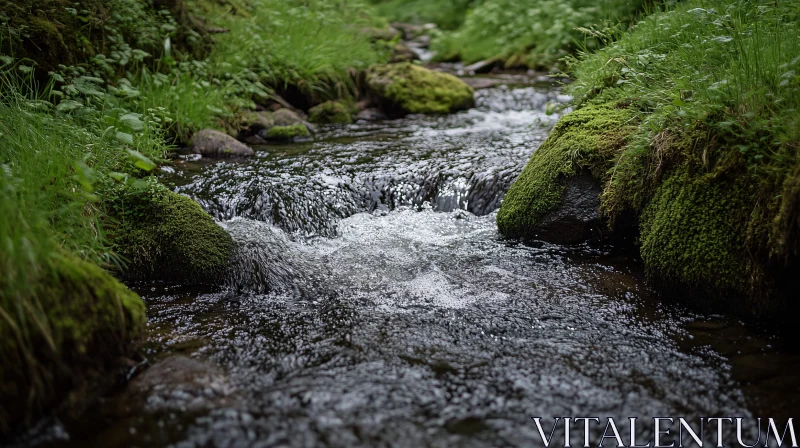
[[133, 120], [141, 161], [124, 137]]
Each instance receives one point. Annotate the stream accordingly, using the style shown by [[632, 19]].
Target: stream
[[373, 303]]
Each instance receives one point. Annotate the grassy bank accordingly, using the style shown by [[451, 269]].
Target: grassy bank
[[447, 14], [94, 94], [707, 169]]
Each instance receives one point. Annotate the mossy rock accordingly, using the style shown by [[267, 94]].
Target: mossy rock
[[584, 140], [65, 339], [167, 236], [330, 112], [283, 133], [407, 88]]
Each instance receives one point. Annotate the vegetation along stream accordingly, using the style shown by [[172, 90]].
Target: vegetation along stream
[[373, 302], [399, 223]]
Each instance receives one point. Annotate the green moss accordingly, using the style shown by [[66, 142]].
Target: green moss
[[330, 112], [589, 138], [79, 319], [693, 233], [287, 132], [407, 88], [166, 236]]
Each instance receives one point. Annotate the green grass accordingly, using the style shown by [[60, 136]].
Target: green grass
[[731, 66], [54, 300], [532, 33], [310, 46], [447, 14]]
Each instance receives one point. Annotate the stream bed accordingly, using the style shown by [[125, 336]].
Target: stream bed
[[373, 303]]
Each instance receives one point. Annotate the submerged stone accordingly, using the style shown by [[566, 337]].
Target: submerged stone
[[577, 218], [211, 143], [405, 88]]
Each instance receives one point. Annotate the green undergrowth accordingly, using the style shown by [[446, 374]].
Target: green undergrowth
[[305, 49], [533, 33], [57, 306], [709, 170], [447, 14]]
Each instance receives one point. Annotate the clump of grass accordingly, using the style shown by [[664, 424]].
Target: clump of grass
[[532, 33]]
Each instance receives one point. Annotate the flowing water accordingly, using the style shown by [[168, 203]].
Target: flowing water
[[373, 303]]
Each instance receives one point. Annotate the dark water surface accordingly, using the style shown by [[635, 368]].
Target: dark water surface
[[374, 304]]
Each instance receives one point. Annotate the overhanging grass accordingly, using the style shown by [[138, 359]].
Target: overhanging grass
[[56, 304], [730, 66]]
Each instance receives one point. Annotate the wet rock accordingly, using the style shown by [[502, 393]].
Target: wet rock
[[483, 83], [371, 114], [180, 383], [577, 219], [484, 66], [404, 88], [330, 112], [254, 122], [402, 53], [211, 143], [288, 117]]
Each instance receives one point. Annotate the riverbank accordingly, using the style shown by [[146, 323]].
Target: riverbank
[[94, 96], [97, 99], [689, 125]]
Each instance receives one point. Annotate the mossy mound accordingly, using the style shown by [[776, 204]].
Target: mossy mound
[[710, 229], [166, 236], [80, 321], [283, 133], [587, 138], [407, 88], [330, 112]]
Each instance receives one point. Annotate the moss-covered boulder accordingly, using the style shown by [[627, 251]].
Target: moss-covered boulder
[[167, 236], [58, 345], [330, 112], [585, 140], [405, 88], [286, 133], [710, 229]]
